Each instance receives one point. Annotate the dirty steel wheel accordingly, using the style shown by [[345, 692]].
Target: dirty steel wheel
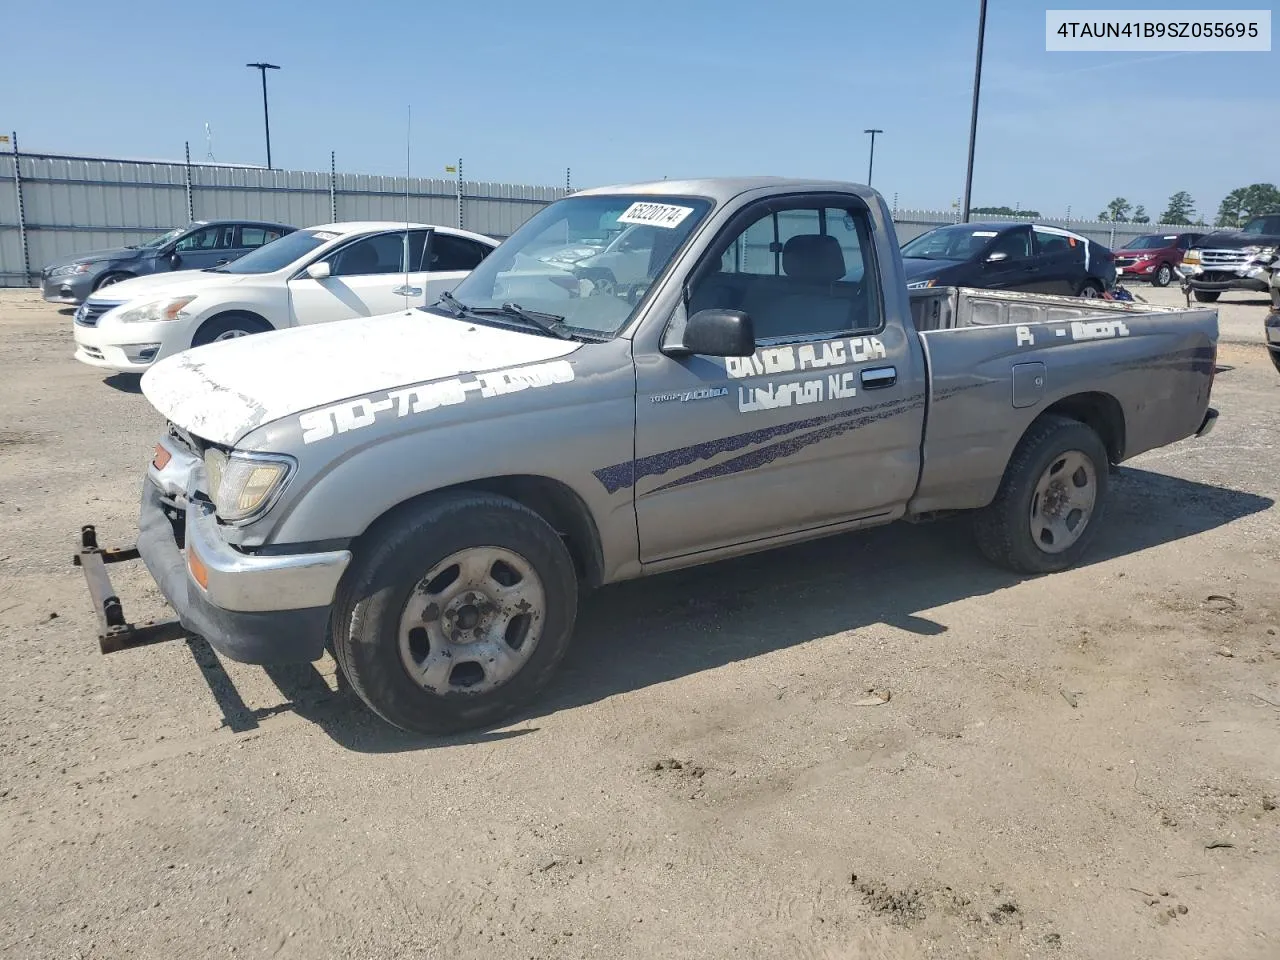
[[1162, 276], [1050, 500], [455, 612]]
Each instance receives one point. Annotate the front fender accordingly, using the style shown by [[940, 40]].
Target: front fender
[[562, 432]]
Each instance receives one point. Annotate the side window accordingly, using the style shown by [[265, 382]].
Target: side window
[[1051, 243], [256, 236], [800, 273], [1016, 244], [455, 253], [380, 253], [207, 238]]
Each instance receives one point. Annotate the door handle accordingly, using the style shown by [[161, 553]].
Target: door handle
[[878, 377], [406, 291]]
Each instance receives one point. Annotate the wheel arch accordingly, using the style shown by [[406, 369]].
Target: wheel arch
[[553, 500], [227, 313], [1099, 411]]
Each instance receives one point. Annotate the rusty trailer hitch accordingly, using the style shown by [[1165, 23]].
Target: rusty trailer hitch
[[115, 633]]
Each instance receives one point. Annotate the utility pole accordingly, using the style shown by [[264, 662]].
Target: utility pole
[[973, 120], [871, 161], [266, 116]]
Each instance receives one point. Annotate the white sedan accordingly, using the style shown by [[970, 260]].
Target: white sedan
[[331, 272]]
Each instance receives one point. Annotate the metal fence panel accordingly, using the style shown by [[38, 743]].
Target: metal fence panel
[[75, 204]]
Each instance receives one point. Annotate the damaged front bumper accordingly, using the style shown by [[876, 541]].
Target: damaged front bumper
[[251, 608]]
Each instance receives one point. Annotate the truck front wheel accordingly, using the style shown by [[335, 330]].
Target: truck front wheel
[[455, 614], [1208, 296], [1050, 501]]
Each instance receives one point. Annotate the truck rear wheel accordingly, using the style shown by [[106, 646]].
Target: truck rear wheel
[[1050, 501], [456, 614]]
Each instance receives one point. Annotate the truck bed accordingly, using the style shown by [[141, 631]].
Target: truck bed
[[1140, 374], [949, 308]]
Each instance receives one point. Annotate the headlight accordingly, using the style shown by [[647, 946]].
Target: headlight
[[920, 284], [1260, 251], [154, 310], [70, 269], [243, 485]]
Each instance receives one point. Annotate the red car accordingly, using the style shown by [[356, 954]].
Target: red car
[[1153, 256]]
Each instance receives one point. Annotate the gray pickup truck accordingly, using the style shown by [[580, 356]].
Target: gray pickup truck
[[428, 492]]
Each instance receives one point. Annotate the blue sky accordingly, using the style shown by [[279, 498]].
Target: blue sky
[[641, 90]]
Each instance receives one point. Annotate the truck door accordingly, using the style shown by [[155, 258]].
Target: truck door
[[821, 425]]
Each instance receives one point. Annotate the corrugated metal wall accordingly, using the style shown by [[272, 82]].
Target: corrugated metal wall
[[72, 205]]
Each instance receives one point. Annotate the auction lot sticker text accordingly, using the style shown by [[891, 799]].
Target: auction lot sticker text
[[1158, 30]]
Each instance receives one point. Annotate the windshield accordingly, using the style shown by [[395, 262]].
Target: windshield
[[278, 254], [1263, 225], [550, 265], [164, 238], [1150, 242], [959, 242]]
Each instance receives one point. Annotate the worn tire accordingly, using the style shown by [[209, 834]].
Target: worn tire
[[1090, 289], [1207, 296], [389, 563], [1003, 528], [228, 325], [1162, 276]]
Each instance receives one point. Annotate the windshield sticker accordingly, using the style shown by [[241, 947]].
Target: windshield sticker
[[363, 411], [985, 233], [326, 235], [655, 214]]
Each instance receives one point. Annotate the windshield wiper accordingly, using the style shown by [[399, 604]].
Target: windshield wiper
[[546, 322], [459, 308], [549, 322]]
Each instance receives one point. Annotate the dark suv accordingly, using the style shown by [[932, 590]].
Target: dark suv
[[1233, 259], [200, 244]]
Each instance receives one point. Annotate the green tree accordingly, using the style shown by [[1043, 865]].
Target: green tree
[[1181, 209], [1007, 212], [1245, 202], [1140, 214], [1117, 211]]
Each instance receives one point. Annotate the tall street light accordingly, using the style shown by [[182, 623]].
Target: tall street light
[[266, 117], [973, 120], [871, 162]]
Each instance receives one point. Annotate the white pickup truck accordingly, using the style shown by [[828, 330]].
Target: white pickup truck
[[331, 272]]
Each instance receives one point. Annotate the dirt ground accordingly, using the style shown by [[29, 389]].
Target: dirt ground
[[1085, 765]]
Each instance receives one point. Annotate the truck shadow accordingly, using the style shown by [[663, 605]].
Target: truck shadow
[[646, 632]]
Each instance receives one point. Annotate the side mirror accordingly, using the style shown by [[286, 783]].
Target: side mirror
[[720, 333], [174, 259], [998, 257], [319, 270]]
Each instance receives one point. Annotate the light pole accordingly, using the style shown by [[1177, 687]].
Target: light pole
[[266, 117], [871, 161], [973, 120]]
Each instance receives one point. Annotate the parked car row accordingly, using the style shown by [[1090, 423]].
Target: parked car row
[[331, 272]]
